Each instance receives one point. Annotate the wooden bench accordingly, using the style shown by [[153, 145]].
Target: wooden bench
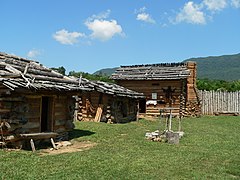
[[37, 136]]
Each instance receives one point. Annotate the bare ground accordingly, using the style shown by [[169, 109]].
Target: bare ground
[[76, 146]]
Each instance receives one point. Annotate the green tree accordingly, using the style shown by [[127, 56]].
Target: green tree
[[92, 77], [218, 85], [60, 70]]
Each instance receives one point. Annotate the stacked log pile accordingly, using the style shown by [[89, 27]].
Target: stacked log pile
[[79, 110], [108, 115], [192, 109]]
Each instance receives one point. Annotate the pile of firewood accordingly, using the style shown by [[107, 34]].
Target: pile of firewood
[[193, 109]]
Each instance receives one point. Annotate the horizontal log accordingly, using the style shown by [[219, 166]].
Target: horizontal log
[[42, 135], [11, 99]]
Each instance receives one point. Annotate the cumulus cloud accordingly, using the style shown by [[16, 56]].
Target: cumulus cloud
[[191, 13], [143, 16], [101, 28], [104, 29], [65, 37], [236, 3], [33, 53], [215, 5]]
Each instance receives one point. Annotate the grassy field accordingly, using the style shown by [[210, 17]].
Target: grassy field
[[210, 149]]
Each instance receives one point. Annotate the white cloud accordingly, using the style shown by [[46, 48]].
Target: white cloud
[[145, 17], [191, 13], [215, 5], [236, 3], [104, 29], [33, 53], [65, 37]]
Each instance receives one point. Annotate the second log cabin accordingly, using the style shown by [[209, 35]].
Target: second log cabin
[[166, 85]]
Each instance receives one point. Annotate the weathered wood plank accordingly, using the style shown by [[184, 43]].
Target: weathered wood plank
[[213, 102]]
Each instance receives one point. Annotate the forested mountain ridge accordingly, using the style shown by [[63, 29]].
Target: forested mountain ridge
[[226, 67]]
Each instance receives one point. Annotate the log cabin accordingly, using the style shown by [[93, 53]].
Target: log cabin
[[108, 102], [166, 85], [39, 103], [35, 101]]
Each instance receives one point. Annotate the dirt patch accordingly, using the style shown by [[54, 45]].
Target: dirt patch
[[150, 118], [76, 146]]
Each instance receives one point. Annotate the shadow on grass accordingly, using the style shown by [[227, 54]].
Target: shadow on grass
[[76, 133]]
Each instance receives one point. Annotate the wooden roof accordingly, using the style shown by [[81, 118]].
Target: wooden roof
[[111, 89], [17, 72], [164, 71], [21, 73]]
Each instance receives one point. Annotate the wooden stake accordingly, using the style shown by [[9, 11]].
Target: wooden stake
[[32, 145], [53, 143]]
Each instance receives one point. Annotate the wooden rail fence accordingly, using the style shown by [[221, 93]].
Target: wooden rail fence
[[219, 101]]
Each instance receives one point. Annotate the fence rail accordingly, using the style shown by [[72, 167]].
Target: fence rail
[[219, 101]]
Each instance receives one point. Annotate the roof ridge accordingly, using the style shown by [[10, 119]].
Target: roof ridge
[[157, 65], [17, 57]]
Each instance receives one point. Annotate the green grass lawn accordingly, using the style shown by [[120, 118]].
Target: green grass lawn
[[210, 149]]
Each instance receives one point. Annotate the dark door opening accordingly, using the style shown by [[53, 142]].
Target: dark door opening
[[46, 114], [142, 106]]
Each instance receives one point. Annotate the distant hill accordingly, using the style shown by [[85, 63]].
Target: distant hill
[[106, 71], [226, 67]]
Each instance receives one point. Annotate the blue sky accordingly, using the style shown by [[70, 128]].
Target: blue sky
[[95, 34]]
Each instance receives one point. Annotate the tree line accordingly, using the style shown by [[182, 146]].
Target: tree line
[[202, 84], [218, 85], [93, 77]]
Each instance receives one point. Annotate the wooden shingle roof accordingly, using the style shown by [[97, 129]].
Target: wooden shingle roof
[[21, 73], [17, 72], [164, 71], [111, 89]]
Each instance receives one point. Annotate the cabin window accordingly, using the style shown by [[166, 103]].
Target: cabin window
[[155, 84], [154, 95], [46, 114]]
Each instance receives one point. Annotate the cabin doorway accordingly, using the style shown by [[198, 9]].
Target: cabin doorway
[[142, 106], [46, 114]]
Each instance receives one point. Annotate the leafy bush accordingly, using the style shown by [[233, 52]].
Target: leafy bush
[[218, 85]]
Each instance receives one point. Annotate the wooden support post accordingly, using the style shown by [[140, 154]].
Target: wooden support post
[[167, 123], [137, 111], [53, 143], [179, 123], [32, 145], [170, 120]]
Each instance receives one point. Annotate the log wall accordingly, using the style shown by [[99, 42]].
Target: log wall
[[217, 102], [147, 87], [113, 109], [23, 113]]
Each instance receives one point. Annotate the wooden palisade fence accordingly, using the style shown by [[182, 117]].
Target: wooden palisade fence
[[215, 102]]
